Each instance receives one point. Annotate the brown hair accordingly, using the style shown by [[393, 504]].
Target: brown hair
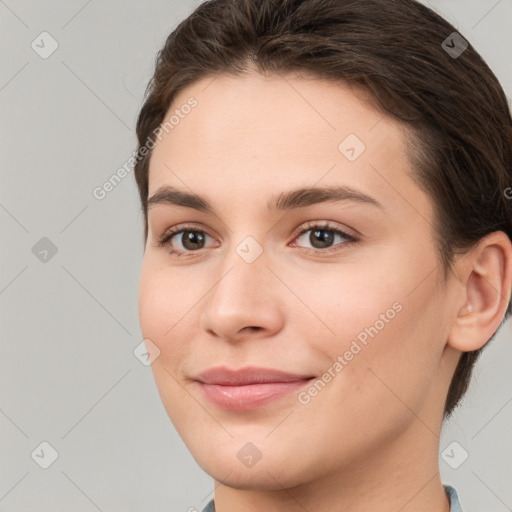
[[459, 122]]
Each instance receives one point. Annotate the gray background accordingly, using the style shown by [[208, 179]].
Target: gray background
[[70, 324]]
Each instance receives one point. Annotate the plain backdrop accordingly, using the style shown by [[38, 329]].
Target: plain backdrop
[[74, 397]]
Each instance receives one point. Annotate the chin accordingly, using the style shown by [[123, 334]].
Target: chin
[[269, 473], [262, 479]]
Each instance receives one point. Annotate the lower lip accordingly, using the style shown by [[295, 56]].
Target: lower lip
[[250, 396]]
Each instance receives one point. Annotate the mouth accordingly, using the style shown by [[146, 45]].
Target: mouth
[[248, 388]]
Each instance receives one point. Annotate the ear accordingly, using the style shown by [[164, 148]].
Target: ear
[[485, 274]]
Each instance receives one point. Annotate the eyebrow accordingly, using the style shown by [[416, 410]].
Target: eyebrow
[[298, 198]]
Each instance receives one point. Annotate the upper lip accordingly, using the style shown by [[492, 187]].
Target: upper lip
[[224, 376]]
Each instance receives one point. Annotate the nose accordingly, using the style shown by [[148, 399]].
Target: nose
[[245, 300]]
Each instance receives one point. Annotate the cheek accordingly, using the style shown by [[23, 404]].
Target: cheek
[[346, 300], [165, 307], [152, 302], [395, 369], [165, 318], [381, 323]]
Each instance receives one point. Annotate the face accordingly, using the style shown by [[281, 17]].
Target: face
[[344, 293]]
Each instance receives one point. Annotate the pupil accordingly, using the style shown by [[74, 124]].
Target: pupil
[[192, 237], [325, 240]]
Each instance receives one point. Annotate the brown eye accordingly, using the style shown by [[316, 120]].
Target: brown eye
[[183, 241], [324, 237], [192, 240]]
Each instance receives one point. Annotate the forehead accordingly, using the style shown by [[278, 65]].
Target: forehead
[[276, 110], [251, 132]]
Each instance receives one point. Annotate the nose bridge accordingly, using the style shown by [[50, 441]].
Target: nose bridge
[[244, 272], [243, 296]]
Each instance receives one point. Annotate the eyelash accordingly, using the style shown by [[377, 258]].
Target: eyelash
[[166, 237]]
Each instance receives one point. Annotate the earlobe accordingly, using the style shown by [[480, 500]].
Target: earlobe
[[487, 270]]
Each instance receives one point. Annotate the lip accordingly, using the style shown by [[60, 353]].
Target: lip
[[248, 388]]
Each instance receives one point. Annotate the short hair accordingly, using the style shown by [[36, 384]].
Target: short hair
[[415, 66]]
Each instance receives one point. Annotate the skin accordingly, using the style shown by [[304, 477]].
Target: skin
[[370, 439]]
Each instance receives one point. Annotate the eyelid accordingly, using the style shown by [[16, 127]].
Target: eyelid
[[327, 225], [164, 239]]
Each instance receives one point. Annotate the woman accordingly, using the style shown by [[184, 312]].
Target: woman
[[327, 246]]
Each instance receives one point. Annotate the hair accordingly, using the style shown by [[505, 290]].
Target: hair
[[458, 121]]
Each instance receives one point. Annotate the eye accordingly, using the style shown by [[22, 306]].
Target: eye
[[191, 240], [323, 236]]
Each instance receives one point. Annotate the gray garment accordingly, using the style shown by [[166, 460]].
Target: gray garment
[[452, 494], [450, 491], [210, 507]]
